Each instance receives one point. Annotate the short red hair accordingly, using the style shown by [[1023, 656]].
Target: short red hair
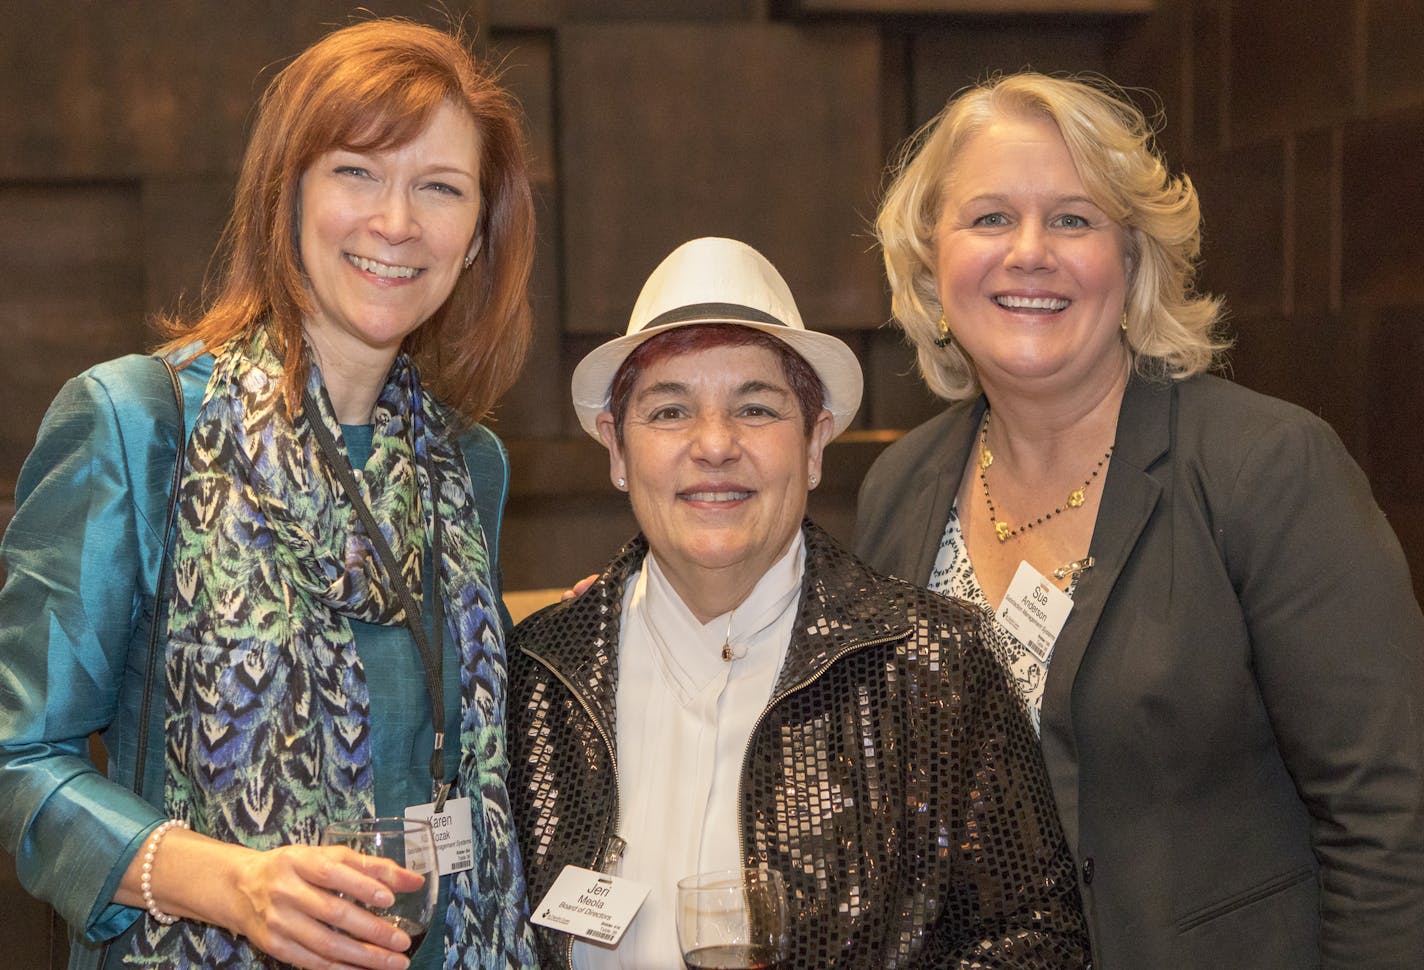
[[805, 384]]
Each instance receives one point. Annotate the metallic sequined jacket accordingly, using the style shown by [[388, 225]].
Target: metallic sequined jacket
[[893, 778]]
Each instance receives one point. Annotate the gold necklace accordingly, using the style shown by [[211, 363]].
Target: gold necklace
[[1003, 530]]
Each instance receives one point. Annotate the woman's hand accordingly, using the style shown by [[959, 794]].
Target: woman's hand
[[286, 904], [284, 900], [580, 587]]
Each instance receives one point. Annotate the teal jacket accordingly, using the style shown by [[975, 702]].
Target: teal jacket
[[81, 558]]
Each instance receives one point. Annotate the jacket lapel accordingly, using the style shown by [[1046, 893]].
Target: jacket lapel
[[834, 615], [1130, 494], [588, 665]]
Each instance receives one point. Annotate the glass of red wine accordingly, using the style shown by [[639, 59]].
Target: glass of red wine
[[732, 920], [409, 843]]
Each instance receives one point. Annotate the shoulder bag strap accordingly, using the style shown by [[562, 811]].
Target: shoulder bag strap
[[146, 708]]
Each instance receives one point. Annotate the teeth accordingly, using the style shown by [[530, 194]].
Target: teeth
[[382, 269], [1031, 302], [716, 496]]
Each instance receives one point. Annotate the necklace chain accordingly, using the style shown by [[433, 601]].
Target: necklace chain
[[1002, 529]]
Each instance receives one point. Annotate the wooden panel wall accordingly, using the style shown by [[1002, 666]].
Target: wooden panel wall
[[1303, 134], [652, 121]]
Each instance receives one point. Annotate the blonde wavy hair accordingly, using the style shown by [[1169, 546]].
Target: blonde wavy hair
[[1171, 330]]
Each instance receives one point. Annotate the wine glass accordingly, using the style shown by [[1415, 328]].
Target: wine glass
[[409, 843], [734, 919]]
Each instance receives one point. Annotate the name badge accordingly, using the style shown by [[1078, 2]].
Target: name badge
[[1034, 611], [590, 905], [454, 833]]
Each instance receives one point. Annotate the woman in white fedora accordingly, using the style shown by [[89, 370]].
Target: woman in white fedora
[[737, 691]]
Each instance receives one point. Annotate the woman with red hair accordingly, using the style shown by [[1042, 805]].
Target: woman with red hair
[[331, 610]]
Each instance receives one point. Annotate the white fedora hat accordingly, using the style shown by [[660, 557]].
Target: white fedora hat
[[714, 280]]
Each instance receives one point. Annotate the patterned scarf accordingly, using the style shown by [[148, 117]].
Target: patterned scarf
[[267, 721]]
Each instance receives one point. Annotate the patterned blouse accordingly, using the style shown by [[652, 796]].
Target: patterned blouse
[[953, 575]]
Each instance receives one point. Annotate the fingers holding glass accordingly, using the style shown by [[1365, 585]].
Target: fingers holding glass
[[393, 875]]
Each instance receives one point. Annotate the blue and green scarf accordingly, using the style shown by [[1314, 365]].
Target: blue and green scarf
[[267, 719]]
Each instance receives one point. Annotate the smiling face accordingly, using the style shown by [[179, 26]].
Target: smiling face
[[1032, 275], [716, 459], [384, 237]]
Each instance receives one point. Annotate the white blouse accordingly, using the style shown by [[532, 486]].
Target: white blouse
[[953, 575], [684, 719]]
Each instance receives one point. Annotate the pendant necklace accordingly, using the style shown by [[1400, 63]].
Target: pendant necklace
[[727, 653], [1002, 529]]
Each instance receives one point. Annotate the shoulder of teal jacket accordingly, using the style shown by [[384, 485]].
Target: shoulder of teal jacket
[[488, 463]]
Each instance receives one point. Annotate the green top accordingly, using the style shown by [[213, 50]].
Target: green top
[[401, 736]]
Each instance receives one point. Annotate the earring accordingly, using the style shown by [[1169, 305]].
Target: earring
[[620, 483], [469, 260], [813, 481], [1124, 320], [945, 338]]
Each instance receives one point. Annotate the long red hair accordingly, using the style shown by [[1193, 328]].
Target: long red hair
[[373, 86]]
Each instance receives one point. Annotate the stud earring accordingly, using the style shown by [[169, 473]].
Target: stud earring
[[945, 338], [1124, 320], [813, 481], [469, 260], [620, 483]]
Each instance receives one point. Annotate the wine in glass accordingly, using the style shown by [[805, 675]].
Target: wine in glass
[[409, 843], [732, 920]]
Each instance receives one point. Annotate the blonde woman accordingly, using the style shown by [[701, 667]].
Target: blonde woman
[[1204, 610]]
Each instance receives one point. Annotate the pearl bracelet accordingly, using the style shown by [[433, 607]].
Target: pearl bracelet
[[145, 882]]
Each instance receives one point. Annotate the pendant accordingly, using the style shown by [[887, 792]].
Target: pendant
[[1075, 498], [986, 457], [727, 652], [1002, 530], [1075, 568]]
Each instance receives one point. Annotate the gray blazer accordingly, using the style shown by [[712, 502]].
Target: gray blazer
[[1234, 713]]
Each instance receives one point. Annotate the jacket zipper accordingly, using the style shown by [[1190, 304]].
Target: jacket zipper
[[612, 757], [756, 726], [741, 780]]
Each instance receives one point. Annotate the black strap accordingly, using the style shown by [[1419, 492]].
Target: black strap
[[146, 708], [432, 657]]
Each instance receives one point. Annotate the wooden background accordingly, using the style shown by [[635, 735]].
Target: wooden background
[[653, 121]]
